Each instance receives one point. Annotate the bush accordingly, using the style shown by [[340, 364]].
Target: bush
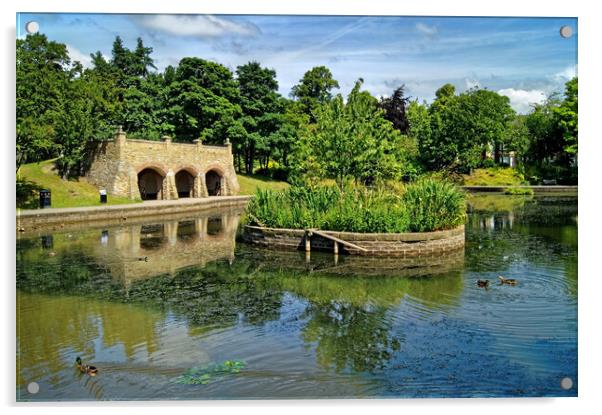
[[427, 205]]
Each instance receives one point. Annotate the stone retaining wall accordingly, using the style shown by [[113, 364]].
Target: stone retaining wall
[[59, 218], [403, 245]]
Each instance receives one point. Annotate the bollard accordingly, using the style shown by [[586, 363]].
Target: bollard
[[103, 196]]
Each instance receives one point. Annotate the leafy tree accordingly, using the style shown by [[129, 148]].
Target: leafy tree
[[314, 88], [350, 140], [82, 123], [202, 100], [567, 114], [261, 107], [42, 76], [463, 127]]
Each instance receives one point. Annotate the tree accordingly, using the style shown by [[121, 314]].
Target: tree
[[42, 75], [395, 109], [350, 140], [567, 114], [261, 107], [314, 88], [463, 127], [201, 101]]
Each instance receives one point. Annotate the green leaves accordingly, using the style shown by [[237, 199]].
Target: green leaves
[[349, 141]]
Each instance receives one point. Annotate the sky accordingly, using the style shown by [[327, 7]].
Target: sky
[[525, 59]]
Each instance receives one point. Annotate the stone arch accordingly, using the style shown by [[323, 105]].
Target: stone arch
[[151, 183], [185, 182], [215, 181]]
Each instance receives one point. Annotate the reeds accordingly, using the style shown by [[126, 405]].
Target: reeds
[[426, 205]]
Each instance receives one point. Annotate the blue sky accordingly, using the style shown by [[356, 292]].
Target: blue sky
[[523, 58]]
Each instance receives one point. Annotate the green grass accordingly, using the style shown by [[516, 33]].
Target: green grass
[[250, 183], [425, 206], [495, 176], [522, 191], [64, 193]]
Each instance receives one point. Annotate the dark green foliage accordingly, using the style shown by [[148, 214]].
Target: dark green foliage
[[395, 109], [427, 205]]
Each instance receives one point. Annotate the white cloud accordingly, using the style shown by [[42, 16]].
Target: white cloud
[[521, 99], [196, 25], [567, 74], [426, 29], [472, 83], [77, 55]]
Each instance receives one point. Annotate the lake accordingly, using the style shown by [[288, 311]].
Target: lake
[[179, 309]]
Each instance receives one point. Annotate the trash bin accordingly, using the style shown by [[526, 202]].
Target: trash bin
[[45, 199], [103, 196]]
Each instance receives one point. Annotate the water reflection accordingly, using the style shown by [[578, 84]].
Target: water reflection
[[145, 302]]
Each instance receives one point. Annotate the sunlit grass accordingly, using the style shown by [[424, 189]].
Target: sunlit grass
[[64, 193]]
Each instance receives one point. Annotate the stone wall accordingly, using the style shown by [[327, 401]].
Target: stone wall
[[404, 245], [117, 163]]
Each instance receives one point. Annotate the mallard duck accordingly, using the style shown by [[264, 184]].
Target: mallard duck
[[483, 283], [87, 369], [509, 281]]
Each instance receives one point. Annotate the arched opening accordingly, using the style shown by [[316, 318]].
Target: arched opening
[[214, 183], [214, 226], [150, 184], [184, 183], [152, 237], [187, 231]]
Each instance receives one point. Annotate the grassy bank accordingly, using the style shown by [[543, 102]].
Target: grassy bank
[[33, 177], [495, 176], [424, 206], [250, 183]]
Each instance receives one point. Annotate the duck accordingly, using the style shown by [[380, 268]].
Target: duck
[[509, 281], [483, 283], [87, 369]]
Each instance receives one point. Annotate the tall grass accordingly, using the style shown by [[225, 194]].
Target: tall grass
[[434, 205], [426, 205]]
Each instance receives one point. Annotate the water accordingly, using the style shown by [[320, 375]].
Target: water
[[145, 303]]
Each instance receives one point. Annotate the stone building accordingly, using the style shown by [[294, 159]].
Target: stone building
[[162, 170]]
